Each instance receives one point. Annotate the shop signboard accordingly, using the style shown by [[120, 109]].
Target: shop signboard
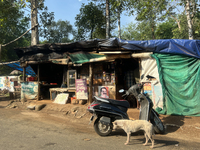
[[148, 89], [6, 82], [155, 93], [157, 96], [61, 98], [29, 90], [81, 89]]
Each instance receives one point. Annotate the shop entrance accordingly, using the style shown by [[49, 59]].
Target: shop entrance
[[127, 71]]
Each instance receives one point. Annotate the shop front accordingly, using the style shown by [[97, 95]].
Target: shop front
[[107, 77]]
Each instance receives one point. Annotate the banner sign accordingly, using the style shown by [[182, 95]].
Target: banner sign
[[81, 89], [148, 89], [6, 82], [29, 90]]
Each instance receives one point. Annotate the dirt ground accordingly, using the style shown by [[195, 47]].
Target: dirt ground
[[181, 127]]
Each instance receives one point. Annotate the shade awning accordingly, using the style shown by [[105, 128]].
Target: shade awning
[[16, 65], [83, 57]]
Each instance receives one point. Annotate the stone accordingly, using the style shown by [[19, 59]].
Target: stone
[[39, 107], [31, 106], [82, 102]]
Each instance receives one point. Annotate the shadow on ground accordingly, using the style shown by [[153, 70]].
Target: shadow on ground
[[173, 123], [138, 138]]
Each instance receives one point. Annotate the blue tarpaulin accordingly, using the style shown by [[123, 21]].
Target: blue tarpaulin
[[16, 66], [168, 46]]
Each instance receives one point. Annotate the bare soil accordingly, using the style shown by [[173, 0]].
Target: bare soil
[[180, 127]]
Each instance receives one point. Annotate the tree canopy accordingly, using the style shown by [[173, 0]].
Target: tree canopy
[[90, 19], [13, 23], [58, 32]]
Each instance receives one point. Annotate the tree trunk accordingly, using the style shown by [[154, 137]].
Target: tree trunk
[[34, 21], [189, 21], [194, 10], [152, 29], [91, 36], [118, 18], [107, 20]]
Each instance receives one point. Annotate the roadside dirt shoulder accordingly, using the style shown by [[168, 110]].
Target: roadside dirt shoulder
[[180, 127]]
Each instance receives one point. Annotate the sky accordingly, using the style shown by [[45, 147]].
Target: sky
[[68, 9]]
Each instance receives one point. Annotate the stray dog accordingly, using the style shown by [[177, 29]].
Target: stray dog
[[130, 126]]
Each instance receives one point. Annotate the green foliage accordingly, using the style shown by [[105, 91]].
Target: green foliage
[[90, 18], [181, 33], [165, 29], [13, 24], [148, 11], [57, 32], [140, 31]]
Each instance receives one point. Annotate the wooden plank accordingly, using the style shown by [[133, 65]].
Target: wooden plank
[[142, 55], [60, 61], [111, 57]]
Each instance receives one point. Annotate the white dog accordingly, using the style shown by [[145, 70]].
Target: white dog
[[130, 126]]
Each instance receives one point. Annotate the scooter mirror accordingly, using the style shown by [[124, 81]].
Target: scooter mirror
[[121, 90]]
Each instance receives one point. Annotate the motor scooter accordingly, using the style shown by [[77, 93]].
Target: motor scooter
[[108, 110]]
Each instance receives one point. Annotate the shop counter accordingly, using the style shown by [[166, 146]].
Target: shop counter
[[61, 90]]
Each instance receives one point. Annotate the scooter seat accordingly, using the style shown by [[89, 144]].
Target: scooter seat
[[122, 103]]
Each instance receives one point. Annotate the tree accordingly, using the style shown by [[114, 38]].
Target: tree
[[13, 24], [58, 32], [107, 19], [147, 10], [118, 7], [35, 8], [182, 32], [89, 19], [189, 8], [34, 23], [165, 29], [137, 31], [129, 32]]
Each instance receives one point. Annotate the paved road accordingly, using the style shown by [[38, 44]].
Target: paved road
[[26, 130]]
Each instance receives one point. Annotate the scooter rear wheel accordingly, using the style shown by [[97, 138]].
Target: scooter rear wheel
[[101, 129]]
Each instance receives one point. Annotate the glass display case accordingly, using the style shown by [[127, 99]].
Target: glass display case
[[71, 78]]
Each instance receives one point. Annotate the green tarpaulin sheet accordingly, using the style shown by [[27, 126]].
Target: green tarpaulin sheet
[[180, 79], [81, 57]]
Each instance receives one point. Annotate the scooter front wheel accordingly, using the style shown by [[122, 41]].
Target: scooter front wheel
[[102, 129], [157, 123]]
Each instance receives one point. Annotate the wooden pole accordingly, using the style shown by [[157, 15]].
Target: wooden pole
[[90, 83], [24, 74], [38, 77], [0, 52]]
